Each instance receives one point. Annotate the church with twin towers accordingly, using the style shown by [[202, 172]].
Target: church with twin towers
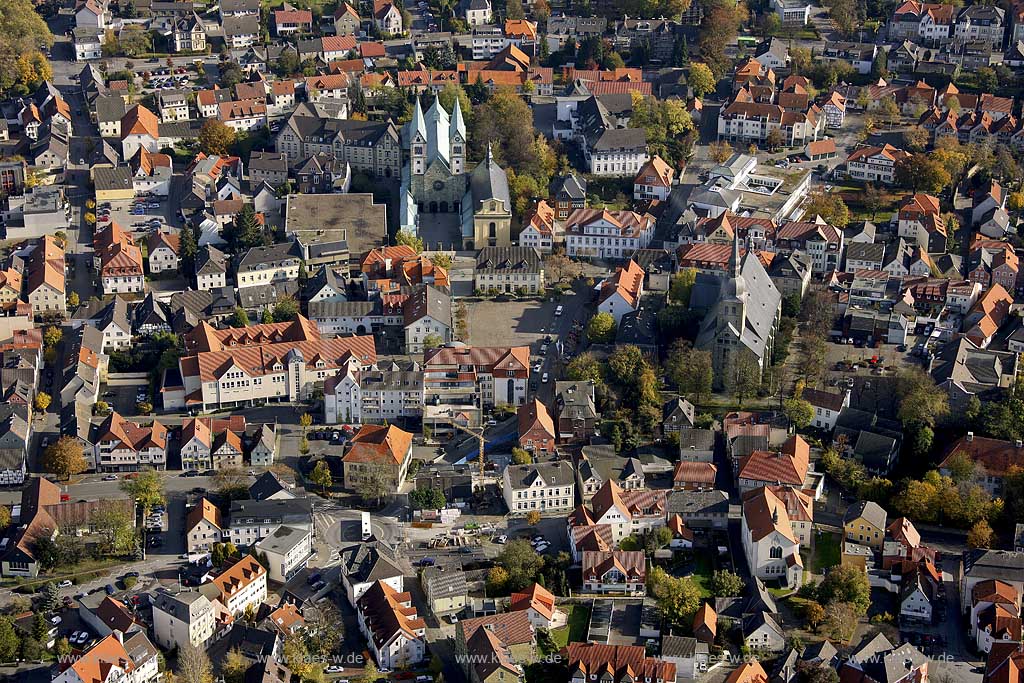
[[437, 189]]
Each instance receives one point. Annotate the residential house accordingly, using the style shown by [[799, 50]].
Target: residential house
[[544, 487], [622, 572], [123, 446], [203, 526], [575, 411], [287, 552], [827, 406], [242, 585], [377, 446], [365, 564], [509, 269], [446, 590], [620, 293], [771, 548], [875, 164], [864, 523], [536, 428], [654, 180]]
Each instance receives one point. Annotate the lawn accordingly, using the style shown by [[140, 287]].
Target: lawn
[[575, 630], [702, 574], [827, 552]]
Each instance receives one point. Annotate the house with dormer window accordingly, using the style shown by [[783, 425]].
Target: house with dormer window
[[626, 512], [242, 585], [598, 663], [544, 487], [623, 572], [508, 269]]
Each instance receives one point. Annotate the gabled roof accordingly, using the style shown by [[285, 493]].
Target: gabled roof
[[204, 510], [787, 466], [375, 443], [536, 597]]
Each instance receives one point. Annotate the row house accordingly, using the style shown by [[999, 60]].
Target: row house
[[991, 262], [123, 446], [920, 222], [931, 23], [282, 361]]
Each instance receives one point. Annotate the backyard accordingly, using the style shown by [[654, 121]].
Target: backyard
[[575, 629]]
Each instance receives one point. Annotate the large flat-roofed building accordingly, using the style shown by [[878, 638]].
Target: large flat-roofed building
[[351, 218]]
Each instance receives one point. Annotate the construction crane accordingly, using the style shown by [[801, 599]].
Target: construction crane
[[479, 437]]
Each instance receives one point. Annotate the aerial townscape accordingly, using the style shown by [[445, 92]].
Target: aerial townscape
[[511, 341]]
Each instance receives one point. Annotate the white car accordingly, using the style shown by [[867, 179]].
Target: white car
[[66, 583], [501, 540], [558, 310], [55, 620], [541, 547], [537, 366], [334, 669], [544, 378]]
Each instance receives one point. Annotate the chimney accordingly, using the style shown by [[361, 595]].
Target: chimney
[[970, 437], [119, 635]]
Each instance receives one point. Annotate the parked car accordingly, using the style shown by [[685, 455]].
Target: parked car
[[66, 583], [501, 540]]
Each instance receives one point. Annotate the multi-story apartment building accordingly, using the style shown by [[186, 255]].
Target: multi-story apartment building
[[123, 446], [746, 121], [394, 632], [182, 619], [244, 584], [211, 268], [279, 361], [117, 658], [607, 234], [819, 240], [925, 22], [875, 164], [203, 527], [188, 34], [543, 487], [982, 23], [377, 448], [287, 550], [45, 280], [373, 396], [463, 380], [250, 521], [509, 269]]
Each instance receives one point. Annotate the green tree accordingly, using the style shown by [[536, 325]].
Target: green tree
[[921, 402], [725, 584], [746, 379], [410, 240], [601, 329], [700, 79], [286, 309], [64, 458], [40, 629], [829, 206], [689, 369], [188, 248], [980, 535], [585, 367], [321, 476], [21, 62], [234, 665], [374, 482], [849, 584], [147, 489], [239, 318], [521, 456], [497, 581], [798, 411], [678, 598], [135, 40], [245, 231], [5, 517], [427, 499], [432, 341], [682, 285], [9, 641], [52, 336], [216, 137], [521, 562]]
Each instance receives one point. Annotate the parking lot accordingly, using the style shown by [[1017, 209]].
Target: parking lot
[[139, 216]]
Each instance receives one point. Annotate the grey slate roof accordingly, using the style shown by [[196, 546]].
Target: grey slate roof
[[678, 646], [267, 485], [859, 251], [489, 181], [210, 260], [507, 260], [553, 474], [688, 503], [444, 584], [343, 309], [868, 510], [369, 562]]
